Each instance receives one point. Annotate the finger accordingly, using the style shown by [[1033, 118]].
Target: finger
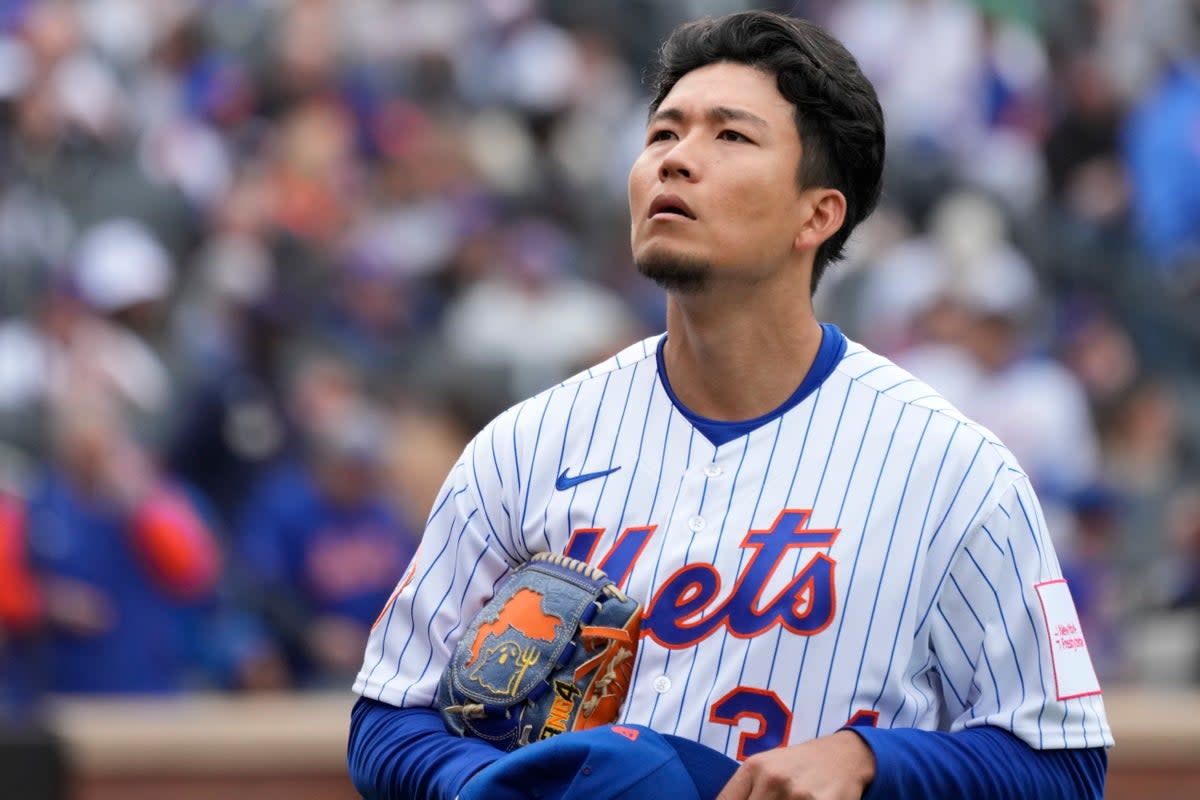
[[765, 789], [738, 787]]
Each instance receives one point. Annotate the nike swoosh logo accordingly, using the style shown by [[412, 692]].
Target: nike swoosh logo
[[565, 481]]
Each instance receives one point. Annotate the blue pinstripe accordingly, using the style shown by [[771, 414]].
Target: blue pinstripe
[[966, 657], [587, 452], [392, 610], [440, 603], [742, 564], [616, 440], [923, 670], [816, 498], [687, 559], [661, 463], [888, 551], [658, 563], [992, 538], [462, 598], [1035, 531], [537, 440], [937, 479], [492, 532], [716, 548], [965, 533], [1004, 622], [837, 638], [632, 480], [563, 449], [958, 490], [1036, 638], [516, 450], [653, 505], [791, 489], [916, 551], [895, 386], [836, 429], [862, 375], [496, 461], [982, 629], [412, 611], [720, 535]]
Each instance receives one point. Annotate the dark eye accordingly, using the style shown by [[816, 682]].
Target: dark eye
[[732, 136], [660, 135]]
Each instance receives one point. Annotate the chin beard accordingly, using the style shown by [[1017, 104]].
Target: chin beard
[[676, 273]]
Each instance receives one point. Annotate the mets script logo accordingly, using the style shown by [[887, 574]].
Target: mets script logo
[[685, 609], [500, 665]]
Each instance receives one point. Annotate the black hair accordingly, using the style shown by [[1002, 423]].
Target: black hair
[[838, 117]]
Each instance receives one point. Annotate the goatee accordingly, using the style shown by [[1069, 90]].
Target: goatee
[[676, 273]]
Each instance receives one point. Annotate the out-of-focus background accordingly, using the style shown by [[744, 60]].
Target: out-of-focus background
[[265, 266]]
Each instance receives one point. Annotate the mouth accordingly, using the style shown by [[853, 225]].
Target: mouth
[[671, 206]]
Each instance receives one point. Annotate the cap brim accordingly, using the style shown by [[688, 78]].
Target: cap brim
[[710, 770], [630, 762]]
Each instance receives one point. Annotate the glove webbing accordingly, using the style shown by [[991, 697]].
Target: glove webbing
[[583, 568]]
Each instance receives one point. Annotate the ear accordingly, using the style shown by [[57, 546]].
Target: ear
[[823, 212]]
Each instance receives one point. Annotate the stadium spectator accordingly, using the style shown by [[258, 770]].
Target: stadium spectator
[[320, 542], [127, 566], [21, 612], [192, 194]]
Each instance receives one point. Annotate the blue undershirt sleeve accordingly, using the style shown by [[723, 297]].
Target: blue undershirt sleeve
[[405, 753], [984, 763]]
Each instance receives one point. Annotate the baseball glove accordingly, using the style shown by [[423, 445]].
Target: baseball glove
[[551, 652]]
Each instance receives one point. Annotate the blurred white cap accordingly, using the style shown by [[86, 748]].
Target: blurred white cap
[[16, 67], [989, 276], [91, 95], [998, 284], [119, 263], [237, 268], [968, 226]]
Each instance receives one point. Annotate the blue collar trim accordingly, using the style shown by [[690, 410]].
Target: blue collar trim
[[833, 347]]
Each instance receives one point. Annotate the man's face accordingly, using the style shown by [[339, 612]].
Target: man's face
[[713, 196]]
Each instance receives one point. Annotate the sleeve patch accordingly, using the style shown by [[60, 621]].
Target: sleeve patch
[[1074, 675]]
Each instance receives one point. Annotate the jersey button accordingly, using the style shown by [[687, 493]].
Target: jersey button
[[662, 684], [713, 471], [696, 523]]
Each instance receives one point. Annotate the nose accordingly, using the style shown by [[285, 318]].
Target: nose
[[671, 167], [679, 161]]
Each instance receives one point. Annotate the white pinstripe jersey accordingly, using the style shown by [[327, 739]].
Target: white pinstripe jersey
[[865, 554]]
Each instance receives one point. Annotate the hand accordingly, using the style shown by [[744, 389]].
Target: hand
[[336, 643], [264, 670], [78, 607], [129, 474], [835, 767]]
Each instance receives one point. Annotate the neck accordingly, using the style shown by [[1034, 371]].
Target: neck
[[732, 357]]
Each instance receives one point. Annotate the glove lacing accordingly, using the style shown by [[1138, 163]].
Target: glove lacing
[[603, 686]]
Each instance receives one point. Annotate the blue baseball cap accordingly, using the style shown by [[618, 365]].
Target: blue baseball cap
[[612, 762]]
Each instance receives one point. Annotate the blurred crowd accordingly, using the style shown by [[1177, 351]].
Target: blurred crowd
[[266, 266]]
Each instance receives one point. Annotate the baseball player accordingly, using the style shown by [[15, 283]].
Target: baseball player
[[846, 585]]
